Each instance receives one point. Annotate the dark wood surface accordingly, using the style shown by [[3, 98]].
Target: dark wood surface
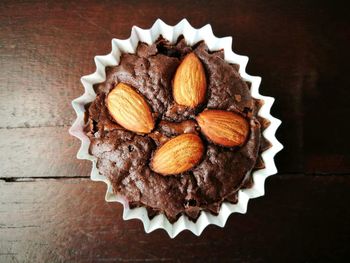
[[51, 212]]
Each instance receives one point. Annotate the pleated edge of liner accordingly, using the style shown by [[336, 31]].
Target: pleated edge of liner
[[191, 36]]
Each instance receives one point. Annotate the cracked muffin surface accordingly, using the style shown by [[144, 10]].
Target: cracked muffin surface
[[125, 157]]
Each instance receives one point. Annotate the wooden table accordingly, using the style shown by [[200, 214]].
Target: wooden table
[[50, 211]]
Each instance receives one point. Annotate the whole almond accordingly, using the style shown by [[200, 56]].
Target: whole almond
[[190, 85], [178, 155], [223, 127], [129, 109]]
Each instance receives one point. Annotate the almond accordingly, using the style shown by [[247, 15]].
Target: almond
[[178, 155], [190, 85], [129, 109], [223, 127]]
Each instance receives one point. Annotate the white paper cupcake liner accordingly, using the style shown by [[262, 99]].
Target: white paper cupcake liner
[[192, 36]]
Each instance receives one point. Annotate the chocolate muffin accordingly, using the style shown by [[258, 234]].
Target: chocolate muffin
[[175, 129]]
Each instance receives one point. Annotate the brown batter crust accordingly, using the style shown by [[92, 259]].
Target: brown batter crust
[[124, 156]]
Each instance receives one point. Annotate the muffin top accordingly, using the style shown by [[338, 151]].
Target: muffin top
[[175, 129]]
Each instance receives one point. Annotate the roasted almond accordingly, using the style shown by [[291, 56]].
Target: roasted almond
[[178, 155], [223, 127], [190, 85], [129, 109]]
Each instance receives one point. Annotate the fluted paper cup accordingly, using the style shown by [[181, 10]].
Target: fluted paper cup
[[192, 36]]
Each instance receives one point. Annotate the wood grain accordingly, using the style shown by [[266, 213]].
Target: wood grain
[[40, 152], [68, 220], [299, 50]]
